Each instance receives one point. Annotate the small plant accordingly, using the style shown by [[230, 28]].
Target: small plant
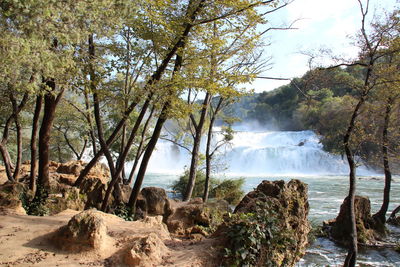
[[123, 211], [229, 189]]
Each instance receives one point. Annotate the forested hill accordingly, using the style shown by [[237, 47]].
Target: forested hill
[[323, 100], [279, 108]]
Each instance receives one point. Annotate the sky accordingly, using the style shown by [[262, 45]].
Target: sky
[[320, 24]]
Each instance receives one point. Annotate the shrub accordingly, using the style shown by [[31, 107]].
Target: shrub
[[228, 189], [37, 206]]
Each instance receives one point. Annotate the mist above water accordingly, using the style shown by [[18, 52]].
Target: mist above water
[[256, 151]]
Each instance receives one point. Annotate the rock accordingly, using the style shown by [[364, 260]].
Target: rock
[[367, 228], [285, 205], [186, 217], [95, 190], [154, 201], [85, 231], [68, 198], [10, 198], [100, 171], [71, 167], [192, 217], [67, 179], [146, 251]]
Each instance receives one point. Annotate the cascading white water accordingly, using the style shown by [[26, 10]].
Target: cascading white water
[[262, 153]]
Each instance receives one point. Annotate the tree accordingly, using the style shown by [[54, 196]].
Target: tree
[[372, 50]]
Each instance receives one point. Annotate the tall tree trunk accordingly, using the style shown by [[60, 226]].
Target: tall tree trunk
[[196, 148], [50, 104], [210, 154], [381, 214], [35, 126], [146, 158], [351, 257]]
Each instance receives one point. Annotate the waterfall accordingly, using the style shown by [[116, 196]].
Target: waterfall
[[261, 153]]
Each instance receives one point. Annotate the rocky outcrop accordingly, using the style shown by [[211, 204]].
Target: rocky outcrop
[[279, 210], [85, 231], [368, 230]]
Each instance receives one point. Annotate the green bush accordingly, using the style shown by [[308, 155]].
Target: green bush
[[37, 206], [123, 211], [227, 189]]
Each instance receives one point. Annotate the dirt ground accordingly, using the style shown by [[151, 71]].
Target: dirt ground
[[27, 241]]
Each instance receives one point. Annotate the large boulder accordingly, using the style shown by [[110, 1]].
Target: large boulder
[[194, 217], [85, 231], [94, 189], [154, 201], [368, 230], [273, 218]]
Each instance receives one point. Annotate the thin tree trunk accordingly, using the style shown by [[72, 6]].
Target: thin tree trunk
[[140, 147], [89, 120], [208, 162], [196, 148], [7, 161], [4, 151], [16, 110], [19, 148], [35, 126], [6, 132], [123, 137], [381, 214]]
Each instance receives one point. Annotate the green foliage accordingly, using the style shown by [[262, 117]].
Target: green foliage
[[123, 211], [255, 237], [227, 189]]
